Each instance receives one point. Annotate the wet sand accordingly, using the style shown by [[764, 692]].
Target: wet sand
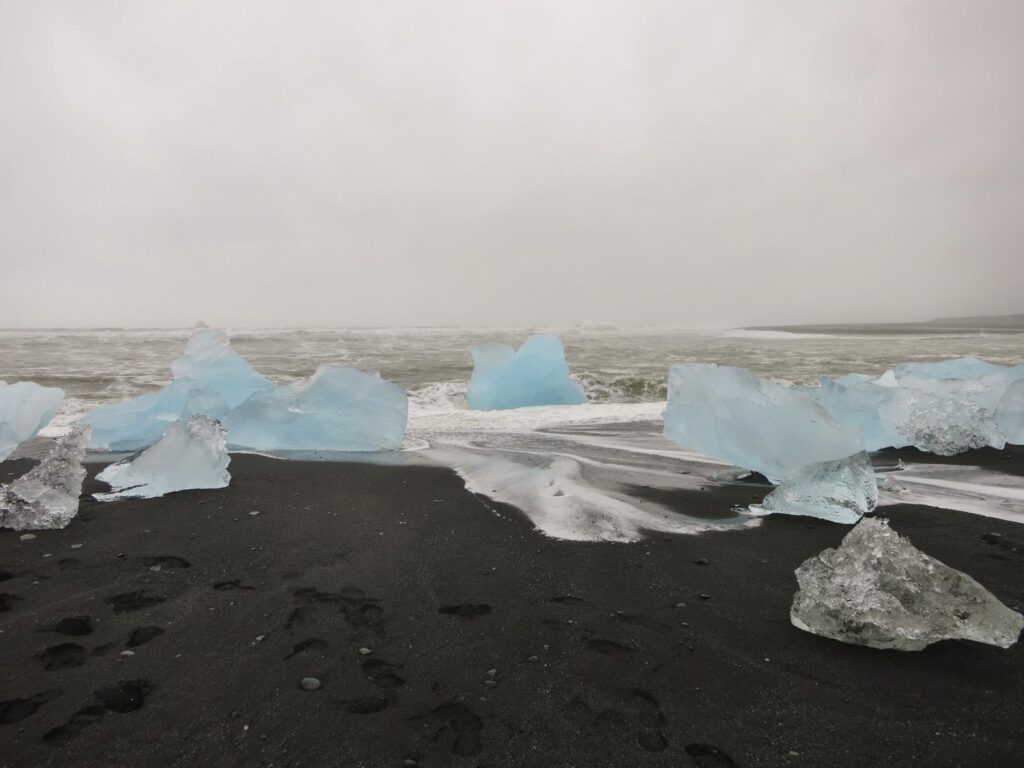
[[483, 642]]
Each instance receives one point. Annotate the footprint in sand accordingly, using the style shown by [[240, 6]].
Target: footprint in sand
[[142, 635], [63, 656], [126, 696], [310, 643], [7, 601], [166, 561], [74, 626], [15, 710], [133, 601], [455, 726], [707, 756]]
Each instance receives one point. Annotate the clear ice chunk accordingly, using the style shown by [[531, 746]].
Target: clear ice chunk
[[856, 402], [945, 417], [535, 374], [184, 458], [209, 379], [878, 590], [209, 360], [732, 415], [336, 409], [1009, 415], [841, 491], [139, 422], [25, 408], [47, 495]]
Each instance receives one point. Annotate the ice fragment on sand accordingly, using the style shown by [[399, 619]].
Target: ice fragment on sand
[[209, 379], [1009, 415], [535, 374], [140, 422], [878, 590], [336, 409], [25, 408], [841, 491], [210, 361], [730, 414], [188, 457], [47, 495]]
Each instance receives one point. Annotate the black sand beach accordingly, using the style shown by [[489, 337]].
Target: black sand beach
[[488, 643]]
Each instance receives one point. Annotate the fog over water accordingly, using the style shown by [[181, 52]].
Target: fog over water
[[532, 163]]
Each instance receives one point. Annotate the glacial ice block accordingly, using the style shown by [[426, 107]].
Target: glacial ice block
[[855, 402], [959, 368], [535, 374], [138, 423], [1009, 414], [336, 409], [25, 408], [209, 379], [878, 590], [184, 458], [47, 495], [945, 417], [732, 415], [210, 361], [841, 491]]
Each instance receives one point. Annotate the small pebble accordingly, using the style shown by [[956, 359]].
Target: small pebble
[[490, 683], [76, 546], [127, 653], [365, 651], [254, 513], [492, 672], [310, 684], [533, 659], [260, 638], [704, 596], [27, 536], [680, 605], [409, 762], [155, 568]]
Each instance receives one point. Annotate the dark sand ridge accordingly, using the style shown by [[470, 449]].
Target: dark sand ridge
[[647, 654]]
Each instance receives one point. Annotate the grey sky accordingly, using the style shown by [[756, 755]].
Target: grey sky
[[417, 163]]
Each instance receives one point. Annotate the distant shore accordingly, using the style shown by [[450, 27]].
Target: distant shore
[[444, 630], [940, 326]]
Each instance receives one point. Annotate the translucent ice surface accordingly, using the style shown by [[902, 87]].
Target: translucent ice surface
[[209, 379], [336, 409], [959, 368], [535, 374], [47, 495], [732, 415], [856, 403], [25, 408], [1009, 414], [878, 590], [841, 491], [210, 361], [184, 458], [138, 423]]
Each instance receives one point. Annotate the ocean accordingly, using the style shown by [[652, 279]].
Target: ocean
[[574, 470]]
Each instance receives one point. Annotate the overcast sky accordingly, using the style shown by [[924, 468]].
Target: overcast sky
[[420, 163]]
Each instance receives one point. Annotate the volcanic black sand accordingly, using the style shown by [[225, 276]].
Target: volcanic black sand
[[445, 631]]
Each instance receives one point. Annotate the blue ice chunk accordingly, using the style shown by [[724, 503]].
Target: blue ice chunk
[[732, 415], [855, 402], [536, 374], [841, 491], [209, 360], [336, 409], [1009, 415], [209, 379], [138, 423], [25, 408]]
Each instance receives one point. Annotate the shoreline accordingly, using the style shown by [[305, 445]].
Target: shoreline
[[595, 661]]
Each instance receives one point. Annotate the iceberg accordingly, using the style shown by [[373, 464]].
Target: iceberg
[[25, 408], [535, 374], [855, 402], [138, 423], [336, 409], [878, 590], [210, 361], [841, 491], [184, 458], [1009, 414], [47, 495], [209, 379], [959, 368], [732, 415]]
